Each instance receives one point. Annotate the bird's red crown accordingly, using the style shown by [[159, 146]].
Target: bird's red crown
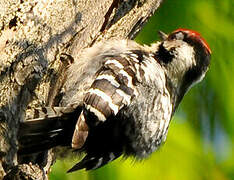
[[192, 33]]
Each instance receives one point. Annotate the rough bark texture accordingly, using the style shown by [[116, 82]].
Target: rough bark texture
[[34, 36]]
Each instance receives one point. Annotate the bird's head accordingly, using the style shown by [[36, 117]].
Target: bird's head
[[185, 56]]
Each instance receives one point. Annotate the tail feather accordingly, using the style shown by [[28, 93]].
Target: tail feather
[[90, 162], [36, 142], [49, 127]]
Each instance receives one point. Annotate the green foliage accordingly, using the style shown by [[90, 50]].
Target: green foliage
[[200, 143]]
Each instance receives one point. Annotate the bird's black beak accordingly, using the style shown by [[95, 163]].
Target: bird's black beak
[[162, 35]]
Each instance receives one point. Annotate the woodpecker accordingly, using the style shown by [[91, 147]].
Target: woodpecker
[[119, 98]]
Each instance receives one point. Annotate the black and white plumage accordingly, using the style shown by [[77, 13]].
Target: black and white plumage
[[119, 98]]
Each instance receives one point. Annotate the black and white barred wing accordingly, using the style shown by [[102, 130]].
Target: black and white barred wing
[[112, 89], [132, 89]]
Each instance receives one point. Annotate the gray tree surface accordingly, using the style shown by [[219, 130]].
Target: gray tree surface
[[37, 41]]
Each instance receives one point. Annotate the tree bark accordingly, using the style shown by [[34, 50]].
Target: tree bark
[[34, 36]]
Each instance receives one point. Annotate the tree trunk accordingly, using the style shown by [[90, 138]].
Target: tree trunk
[[34, 36]]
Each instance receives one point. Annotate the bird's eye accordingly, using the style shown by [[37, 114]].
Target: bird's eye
[[177, 36]]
